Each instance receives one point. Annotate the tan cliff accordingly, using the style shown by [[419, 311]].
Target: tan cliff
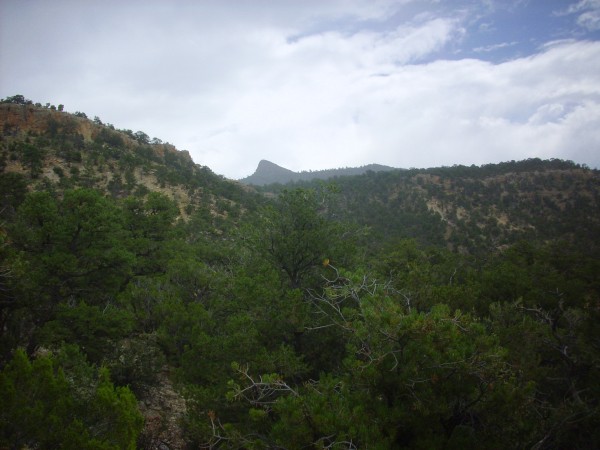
[[19, 120]]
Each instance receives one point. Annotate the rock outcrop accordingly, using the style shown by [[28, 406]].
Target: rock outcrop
[[163, 409]]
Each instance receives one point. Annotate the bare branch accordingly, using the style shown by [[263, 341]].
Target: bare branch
[[262, 392]]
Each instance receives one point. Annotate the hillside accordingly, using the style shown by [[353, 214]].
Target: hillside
[[467, 209], [474, 209], [45, 147], [269, 173], [147, 303]]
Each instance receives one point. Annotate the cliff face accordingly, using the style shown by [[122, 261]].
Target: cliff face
[[22, 119]]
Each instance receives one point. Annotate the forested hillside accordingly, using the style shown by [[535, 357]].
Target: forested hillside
[[147, 303], [474, 209]]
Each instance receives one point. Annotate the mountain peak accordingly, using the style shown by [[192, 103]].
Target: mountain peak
[[268, 165], [268, 172]]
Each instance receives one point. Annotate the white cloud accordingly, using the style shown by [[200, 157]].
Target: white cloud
[[590, 20], [493, 47], [445, 112], [308, 85], [583, 5], [588, 12]]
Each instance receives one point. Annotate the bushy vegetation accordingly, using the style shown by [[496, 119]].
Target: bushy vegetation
[[298, 322]]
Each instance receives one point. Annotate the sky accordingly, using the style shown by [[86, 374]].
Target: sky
[[319, 84]]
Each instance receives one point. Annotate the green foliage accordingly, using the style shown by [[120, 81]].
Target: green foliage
[[32, 158], [474, 209], [135, 362], [115, 412], [42, 408], [295, 236], [71, 247], [466, 317], [427, 276], [149, 224], [95, 330], [109, 137], [13, 188], [410, 380], [16, 99]]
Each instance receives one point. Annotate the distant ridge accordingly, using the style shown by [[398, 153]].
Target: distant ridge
[[269, 173]]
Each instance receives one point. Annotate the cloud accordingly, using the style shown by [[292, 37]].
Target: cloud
[[590, 20], [308, 100], [308, 85], [493, 47], [583, 5], [421, 115], [588, 13]]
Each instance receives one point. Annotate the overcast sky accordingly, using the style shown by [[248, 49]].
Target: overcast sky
[[316, 84]]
